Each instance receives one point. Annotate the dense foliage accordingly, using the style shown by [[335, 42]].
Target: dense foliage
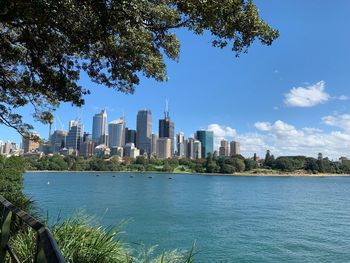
[[212, 164], [46, 44], [11, 181], [80, 242]]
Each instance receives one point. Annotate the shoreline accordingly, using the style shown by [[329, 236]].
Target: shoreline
[[247, 174]]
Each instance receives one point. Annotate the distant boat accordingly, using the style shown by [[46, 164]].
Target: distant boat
[[170, 178], [97, 174], [150, 177], [131, 176], [113, 175], [48, 182]]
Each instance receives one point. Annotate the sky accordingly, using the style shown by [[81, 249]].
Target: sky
[[291, 98]]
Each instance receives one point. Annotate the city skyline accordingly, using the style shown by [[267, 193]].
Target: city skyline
[[291, 97]]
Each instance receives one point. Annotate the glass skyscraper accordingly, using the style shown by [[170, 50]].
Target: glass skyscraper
[[58, 140], [75, 135], [207, 140], [116, 133], [99, 123], [130, 136], [144, 131]]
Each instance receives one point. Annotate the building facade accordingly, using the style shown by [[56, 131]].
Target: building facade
[[235, 148], [154, 144], [207, 141], [116, 133], [87, 148], [144, 131], [58, 140], [130, 136], [164, 148], [180, 145], [224, 149], [75, 135], [131, 151], [28, 143], [99, 123]]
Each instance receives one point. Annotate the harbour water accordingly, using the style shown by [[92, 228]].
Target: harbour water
[[231, 219]]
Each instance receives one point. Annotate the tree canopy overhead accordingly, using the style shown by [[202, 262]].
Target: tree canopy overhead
[[45, 44]]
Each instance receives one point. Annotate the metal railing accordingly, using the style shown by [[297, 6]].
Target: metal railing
[[47, 250]]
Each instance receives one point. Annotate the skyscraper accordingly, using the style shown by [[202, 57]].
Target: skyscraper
[[180, 145], [164, 148], [197, 149], [58, 140], [207, 140], [154, 144], [75, 135], [144, 131], [99, 123], [224, 148], [116, 133], [166, 127], [235, 148], [194, 149], [130, 136]]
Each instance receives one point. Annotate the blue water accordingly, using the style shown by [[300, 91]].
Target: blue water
[[237, 219]]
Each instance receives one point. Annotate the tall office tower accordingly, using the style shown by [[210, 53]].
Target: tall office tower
[[7, 147], [130, 136], [164, 148], [99, 123], [235, 148], [207, 140], [87, 137], [166, 127], [180, 145], [194, 149], [144, 131], [154, 144], [28, 143], [116, 133], [185, 149], [197, 149], [224, 148], [75, 135], [58, 140]]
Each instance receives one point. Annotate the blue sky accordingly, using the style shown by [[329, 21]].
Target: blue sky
[[291, 97]]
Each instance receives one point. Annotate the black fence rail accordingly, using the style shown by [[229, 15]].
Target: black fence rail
[[47, 250]]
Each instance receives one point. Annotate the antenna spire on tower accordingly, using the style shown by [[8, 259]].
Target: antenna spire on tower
[[166, 111]]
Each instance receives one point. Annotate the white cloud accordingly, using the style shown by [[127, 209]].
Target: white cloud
[[220, 133], [307, 96], [263, 126], [282, 138], [285, 139], [279, 128], [340, 121], [343, 97], [311, 130]]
